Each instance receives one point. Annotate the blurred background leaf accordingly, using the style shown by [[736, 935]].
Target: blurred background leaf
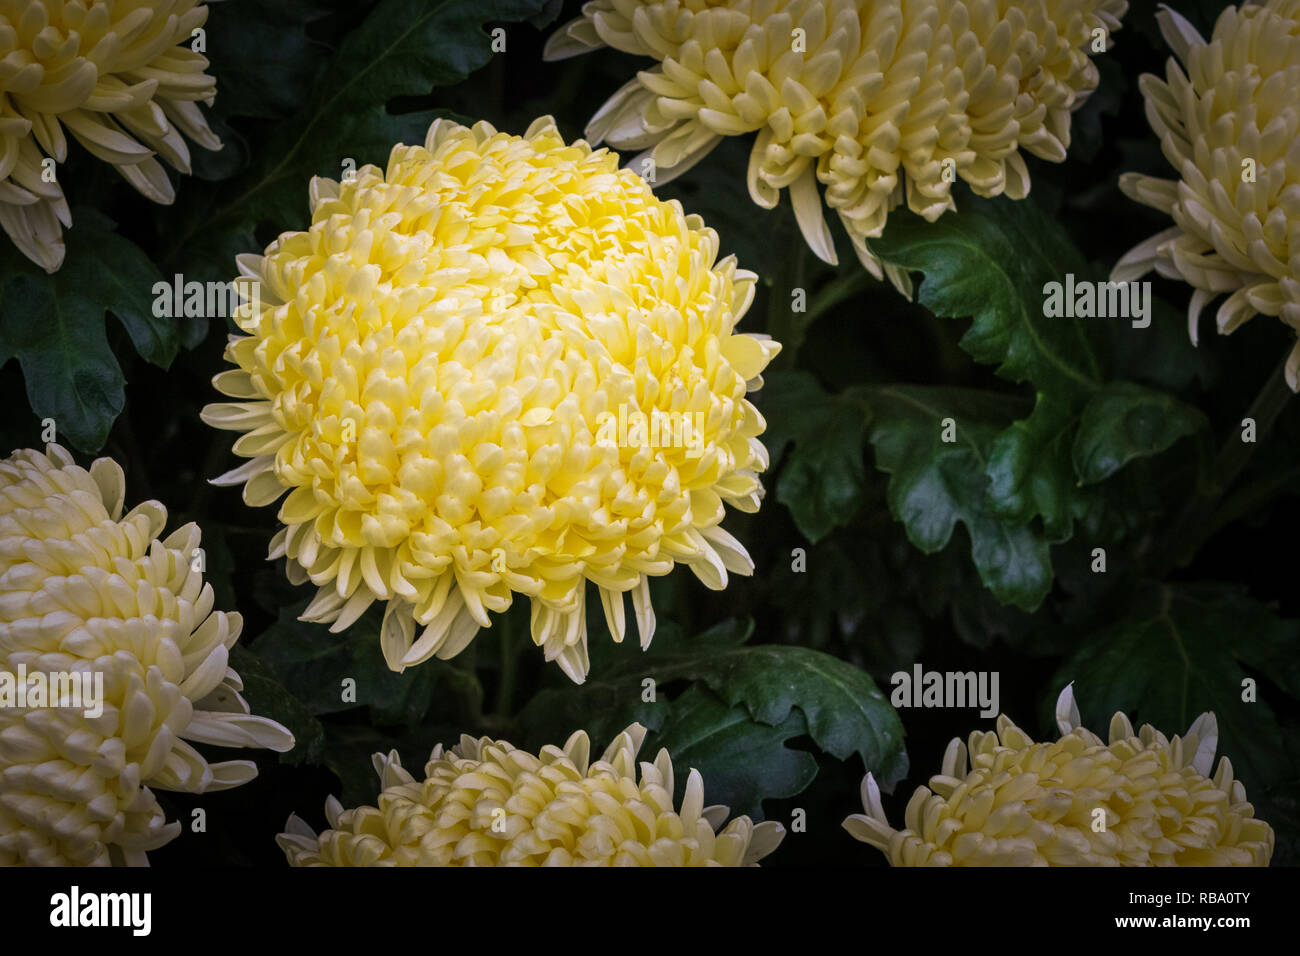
[[55, 326]]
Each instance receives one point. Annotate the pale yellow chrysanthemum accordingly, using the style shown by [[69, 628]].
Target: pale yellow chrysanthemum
[[85, 589], [485, 803], [1020, 803], [121, 77], [877, 101], [447, 371], [1230, 127]]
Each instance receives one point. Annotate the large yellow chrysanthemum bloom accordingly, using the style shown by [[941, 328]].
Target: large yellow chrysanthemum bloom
[[501, 365], [485, 803], [1020, 803], [1230, 127], [114, 74], [877, 101], [86, 590]]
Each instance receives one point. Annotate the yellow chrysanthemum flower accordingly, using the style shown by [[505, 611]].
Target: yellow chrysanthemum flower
[[1230, 127], [877, 101], [86, 590], [485, 803], [499, 366], [114, 75], [1020, 803]]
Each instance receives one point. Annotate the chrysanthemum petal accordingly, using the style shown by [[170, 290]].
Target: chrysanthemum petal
[[118, 79], [1021, 803], [484, 803], [92, 591], [879, 102], [444, 464], [1228, 118]]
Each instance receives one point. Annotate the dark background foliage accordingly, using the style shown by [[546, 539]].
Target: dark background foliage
[[968, 556]]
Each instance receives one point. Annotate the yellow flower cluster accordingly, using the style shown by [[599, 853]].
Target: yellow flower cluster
[[485, 803], [1228, 120], [1020, 803], [91, 597], [111, 73], [877, 101], [499, 366]]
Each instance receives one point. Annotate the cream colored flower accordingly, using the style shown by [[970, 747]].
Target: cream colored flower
[[876, 101], [120, 77], [1230, 127], [447, 372], [485, 803], [85, 589], [1020, 803]]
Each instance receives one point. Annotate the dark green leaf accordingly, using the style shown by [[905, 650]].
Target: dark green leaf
[[991, 261], [55, 326], [742, 761], [1029, 469], [115, 273], [935, 484], [1124, 421], [822, 479], [402, 48], [269, 698], [1182, 650], [1162, 354], [313, 664], [264, 62], [841, 708], [58, 338]]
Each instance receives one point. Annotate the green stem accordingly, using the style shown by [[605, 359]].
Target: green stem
[[790, 328], [506, 685], [782, 323], [1198, 520], [1255, 494]]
